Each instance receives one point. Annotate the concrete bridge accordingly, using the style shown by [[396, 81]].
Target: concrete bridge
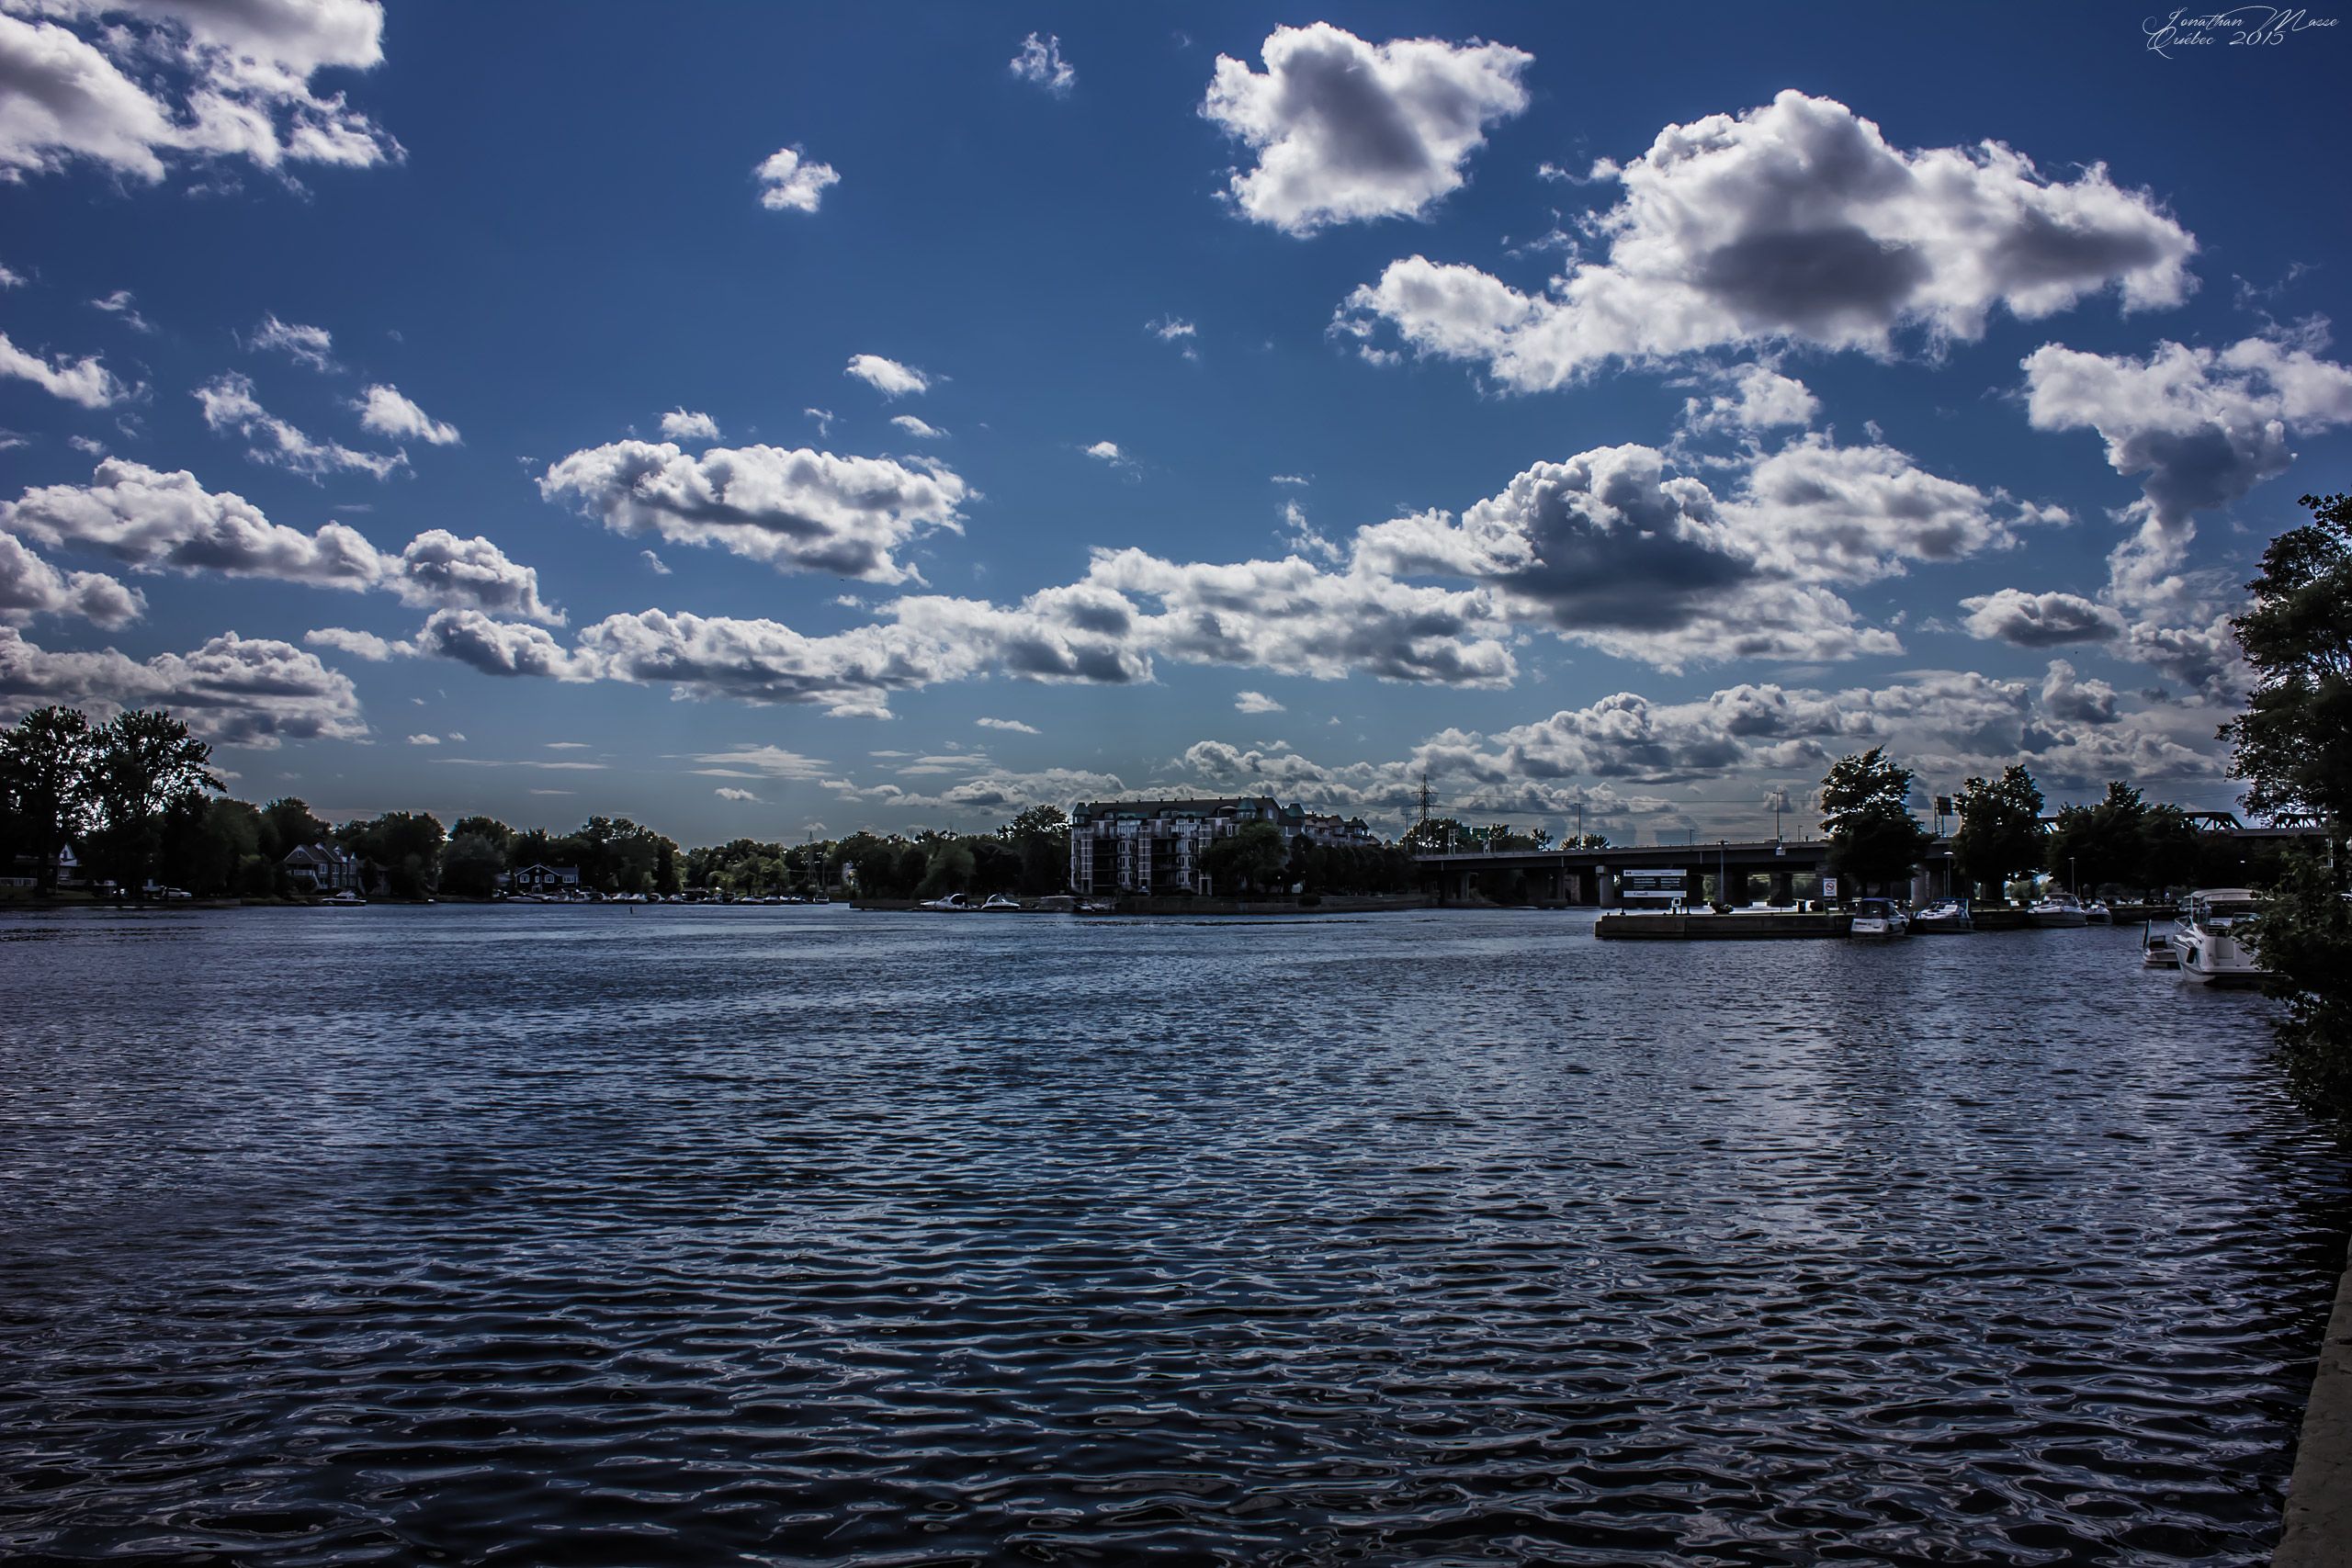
[[1753, 869]]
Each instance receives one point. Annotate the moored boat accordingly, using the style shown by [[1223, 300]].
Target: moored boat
[[1944, 917], [2098, 913], [2211, 949], [2156, 949], [1879, 918], [2058, 911]]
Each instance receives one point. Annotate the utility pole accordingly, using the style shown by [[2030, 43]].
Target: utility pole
[[1580, 822]]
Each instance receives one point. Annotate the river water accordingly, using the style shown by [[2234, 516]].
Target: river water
[[586, 1235]]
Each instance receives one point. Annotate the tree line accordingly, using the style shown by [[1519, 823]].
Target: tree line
[[2122, 844]]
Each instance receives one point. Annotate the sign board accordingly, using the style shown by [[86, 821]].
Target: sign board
[[1829, 887]]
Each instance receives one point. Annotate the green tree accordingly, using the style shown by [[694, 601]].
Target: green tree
[[470, 864], [948, 870], [207, 850], [1041, 836], [2000, 832], [287, 824], [47, 798], [2293, 747], [1437, 835], [405, 844], [1873, 836], [2119, 840], [149, 777], [1249, 857]]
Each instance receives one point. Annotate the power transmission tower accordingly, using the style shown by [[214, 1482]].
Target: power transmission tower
[[1425, 798]]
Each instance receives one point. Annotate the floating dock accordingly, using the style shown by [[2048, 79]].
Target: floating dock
[[1739, 925]]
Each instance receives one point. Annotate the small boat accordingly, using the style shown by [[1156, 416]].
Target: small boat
[[343, 899], [1879, 918], [2057, 912], [953, 904], [2098, 913], [1943, 917], [2156, 949], [2211, 952], [999, 904]]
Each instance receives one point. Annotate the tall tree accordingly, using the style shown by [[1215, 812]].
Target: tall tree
[[149, 775], [2000, 828], [2293, 747], [46, 794], [287, 824], [1865, 813]]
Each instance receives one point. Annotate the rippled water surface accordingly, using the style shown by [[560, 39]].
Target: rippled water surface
[[803, 1236]]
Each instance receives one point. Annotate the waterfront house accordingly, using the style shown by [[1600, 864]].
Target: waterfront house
[[322, 869], [1155, 846], [538, 877]]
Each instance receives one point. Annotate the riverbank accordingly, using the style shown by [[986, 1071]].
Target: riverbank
[[2317, 1532]]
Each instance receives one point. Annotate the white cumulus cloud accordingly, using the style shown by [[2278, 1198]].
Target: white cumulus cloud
[[790, 182], [1346, 131], [887, 377], [384, 410], [796, 510], [1795, 222]]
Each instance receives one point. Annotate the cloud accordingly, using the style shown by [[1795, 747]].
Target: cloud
[[29, 586], [11, 279], [2199, 427], [313, 346], [497, 647], [917, 429], [130, 83], [680, 425], [425, 740], [760, 762], [1288, 616], [1040, 63], [232, 690], [795, 510], [1607, 549], [1169, 328], [724, 792], [85, 381], [1795, 222], [385, 412], [1108, 451], [439, 570], [1013, 725], [659, 567], [1287, 478], [229, 405], [1758, 398], [2066, 697], [360, 644], [887, 377], [792, 183], [153, 521], [158, 521], [2038, 620], [120, 304], [852, 673], [1255, 702], [1348, 131]]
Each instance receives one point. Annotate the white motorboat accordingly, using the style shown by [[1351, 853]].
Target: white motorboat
[[1879, 918], [2212, 950], [2156, 949], [2059, 910], [2098, 913], [999, 904], [953, 904], [1943, 916]]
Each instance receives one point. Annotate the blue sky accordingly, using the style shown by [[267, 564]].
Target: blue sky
[[1589, 410]]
